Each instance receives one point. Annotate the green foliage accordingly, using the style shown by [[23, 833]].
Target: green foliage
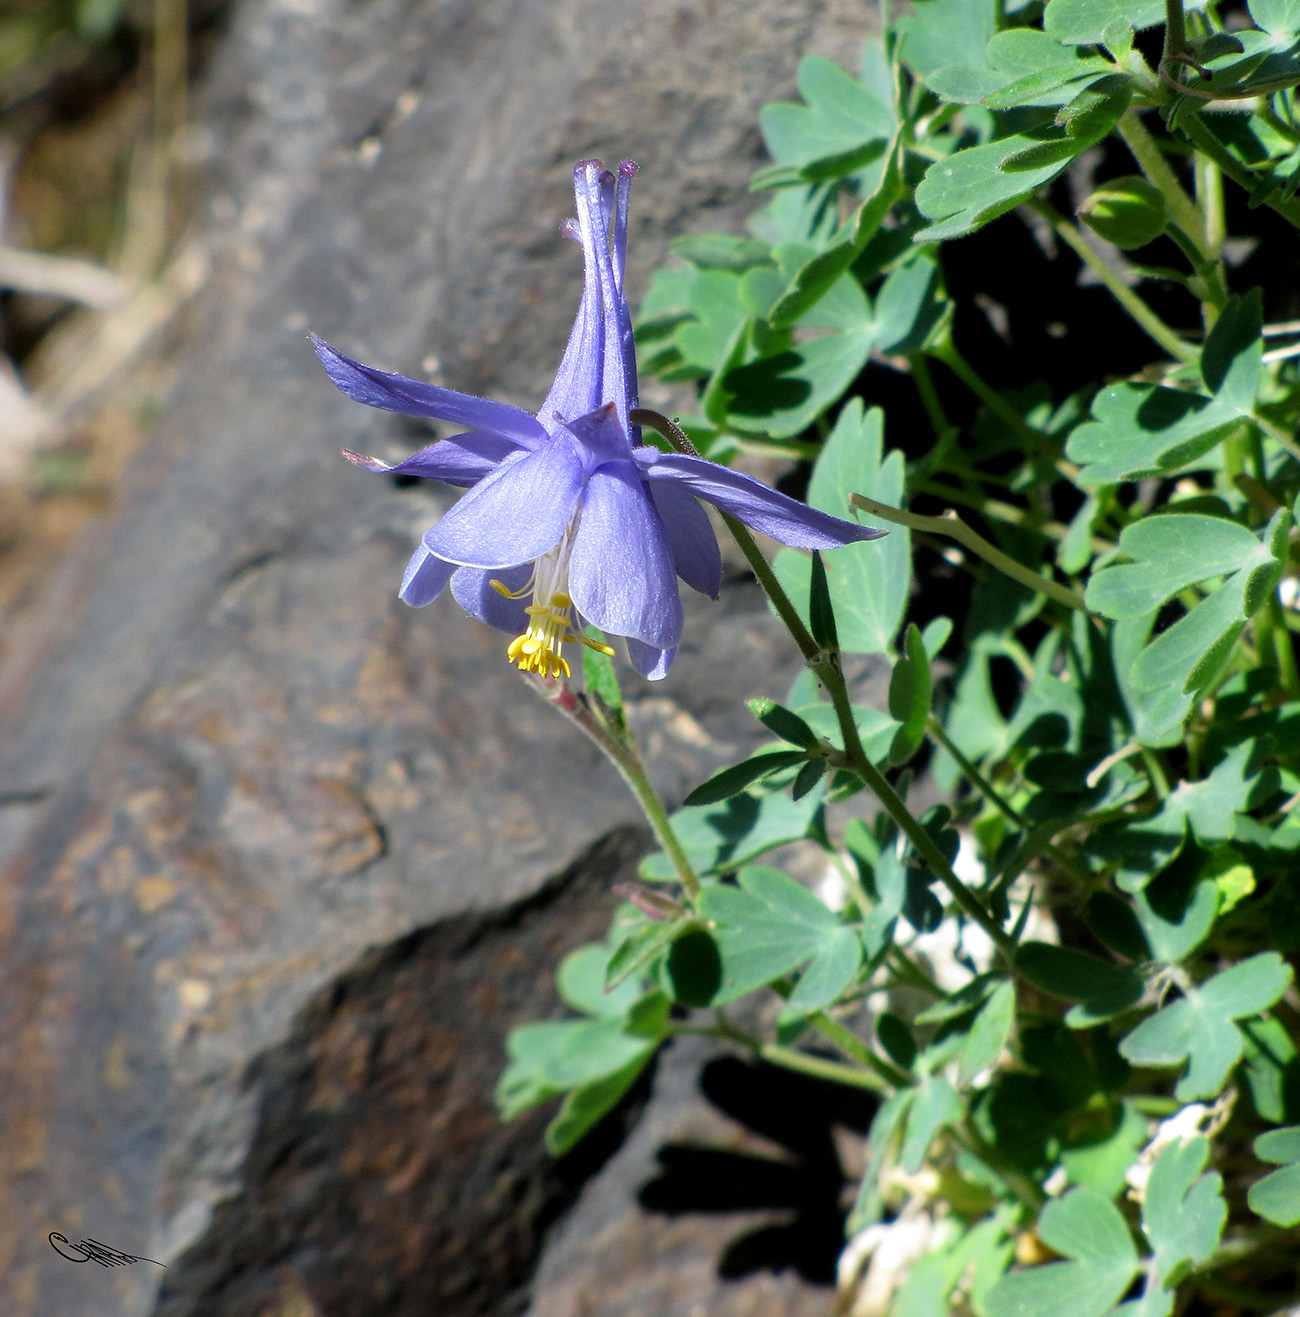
[[1276, 1197], [1096, 666], [867, 582]]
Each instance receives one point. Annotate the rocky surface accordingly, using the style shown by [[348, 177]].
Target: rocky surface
[[231, 764]]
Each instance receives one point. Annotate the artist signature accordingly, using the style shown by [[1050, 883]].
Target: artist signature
[[92, 1250]]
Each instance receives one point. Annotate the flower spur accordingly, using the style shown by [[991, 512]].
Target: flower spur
[[567, 509]]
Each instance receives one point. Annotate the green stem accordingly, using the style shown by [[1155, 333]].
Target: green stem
[[820, 1067], [1286, 662], [624, 754], [1175, 31], [947, 353], [951, 525], [828, 671], [851, 1045], [1203, 138], [924, 381], [1138, 310], [788, 1058], [833, 679], [1151, 161]]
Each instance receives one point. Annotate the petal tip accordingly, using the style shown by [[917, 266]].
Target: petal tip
[[370, 463]]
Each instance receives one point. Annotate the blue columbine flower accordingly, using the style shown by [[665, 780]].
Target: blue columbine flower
[[568, 519]]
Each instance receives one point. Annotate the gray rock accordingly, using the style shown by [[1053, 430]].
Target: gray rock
[[236, 763]]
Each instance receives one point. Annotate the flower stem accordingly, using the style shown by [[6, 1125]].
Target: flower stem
[[951, 525], [623, 752], [1138, 310], [826, 665]]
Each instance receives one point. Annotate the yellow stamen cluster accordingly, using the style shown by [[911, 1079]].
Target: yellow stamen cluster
[[550, 625]]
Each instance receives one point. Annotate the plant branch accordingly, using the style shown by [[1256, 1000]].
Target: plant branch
[[1138, 310], [953, 527], [625, 757]]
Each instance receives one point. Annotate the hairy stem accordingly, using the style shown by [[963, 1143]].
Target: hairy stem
[[1142, 315], [624, 754], [951, 525]]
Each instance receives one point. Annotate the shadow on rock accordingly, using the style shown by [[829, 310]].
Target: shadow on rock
[[803, 1180], [380, 1179]]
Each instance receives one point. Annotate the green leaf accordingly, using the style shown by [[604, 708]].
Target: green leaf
[[1189, 653], [717, 838], [1276, 1197], [732, 781], [1101, 1261], [587, 1103], [1103, 1165], [1271, 1068], [581, 982], [1199, 1029], [640, 948], [910, 306], [1084, 22], [722, 251], [1175, 934], [934, 1105], [781, 393], [821, 610], [909, 697], [781, 722], [989, 1033], [1236, 784], [840, 119], [1115, 924], [868, 582], [829, 973], [1141, 430], [766, 927], [1102, 989], [1022, 67], [1279, 18], [1232, 357], [1156, 717], [1169, 552], [938, 33], [969, 188], [897, 1040], [1183, 1212]]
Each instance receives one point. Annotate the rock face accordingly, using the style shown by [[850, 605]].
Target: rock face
[[234, 763]]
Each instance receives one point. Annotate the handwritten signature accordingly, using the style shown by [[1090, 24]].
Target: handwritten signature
[[92, 1250]]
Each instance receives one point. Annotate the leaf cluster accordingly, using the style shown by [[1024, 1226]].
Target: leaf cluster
[[1071, 983]]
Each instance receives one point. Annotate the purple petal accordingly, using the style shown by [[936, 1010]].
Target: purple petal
[[516, 514], [474, 593], [426, 578], [462, 460], [576, 390], [626, 169], [695, 547], [396, 393], [601, 437], [756, 504], [621, 575], [595, 244], [649, 662]]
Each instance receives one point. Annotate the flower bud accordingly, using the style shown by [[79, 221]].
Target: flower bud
[[1128, 211]]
